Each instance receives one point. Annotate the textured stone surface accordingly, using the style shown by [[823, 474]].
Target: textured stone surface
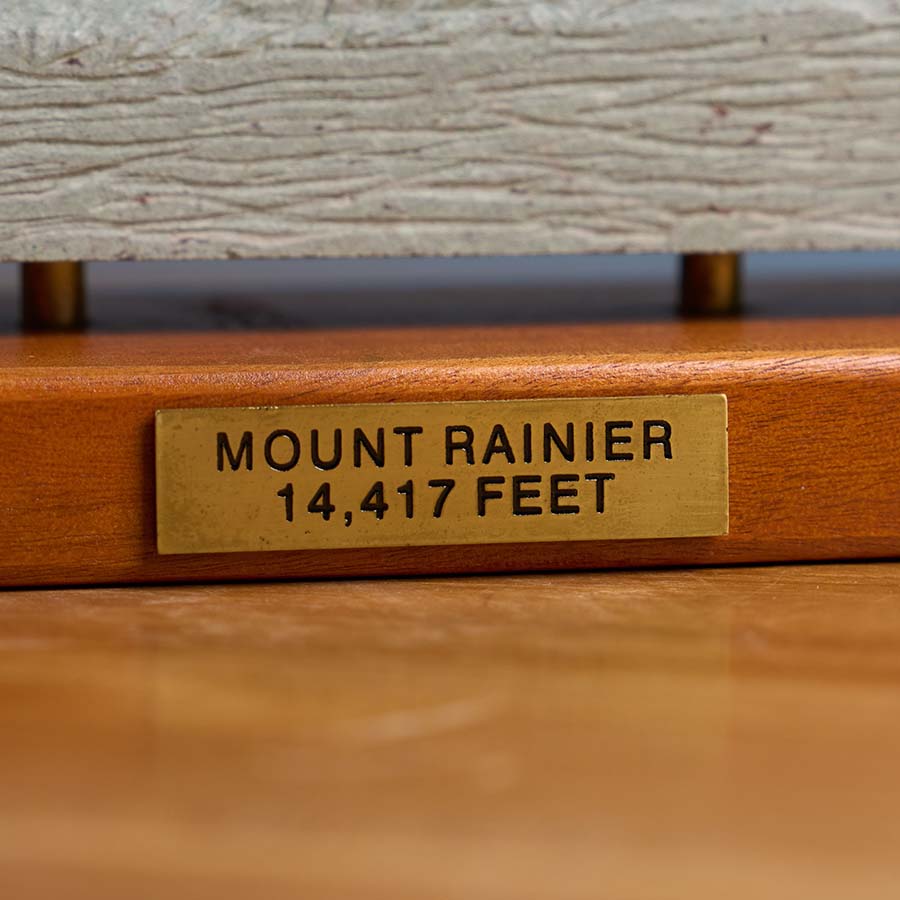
[[269, 128]]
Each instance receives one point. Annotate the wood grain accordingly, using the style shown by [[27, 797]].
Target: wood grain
[[814, 442], [659, 735], [401, 127]]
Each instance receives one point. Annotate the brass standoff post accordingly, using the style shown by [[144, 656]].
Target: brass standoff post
[[53, 296], [710, 284]]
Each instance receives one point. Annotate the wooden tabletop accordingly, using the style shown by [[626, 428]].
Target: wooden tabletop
[[668, 734]]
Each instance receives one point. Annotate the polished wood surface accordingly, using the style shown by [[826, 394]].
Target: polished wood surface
[[660, 735], [814, 418]]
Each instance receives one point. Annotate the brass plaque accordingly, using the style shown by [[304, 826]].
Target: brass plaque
[[417, 474]]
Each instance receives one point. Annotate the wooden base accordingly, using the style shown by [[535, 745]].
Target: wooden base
[[814, 409]]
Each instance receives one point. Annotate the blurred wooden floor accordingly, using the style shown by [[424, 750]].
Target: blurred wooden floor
[[698, 734]]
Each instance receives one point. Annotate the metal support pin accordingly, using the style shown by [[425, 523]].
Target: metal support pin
[[710, 284], [53, 296]]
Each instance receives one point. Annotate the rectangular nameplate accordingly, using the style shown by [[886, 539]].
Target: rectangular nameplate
[[417, 474]]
